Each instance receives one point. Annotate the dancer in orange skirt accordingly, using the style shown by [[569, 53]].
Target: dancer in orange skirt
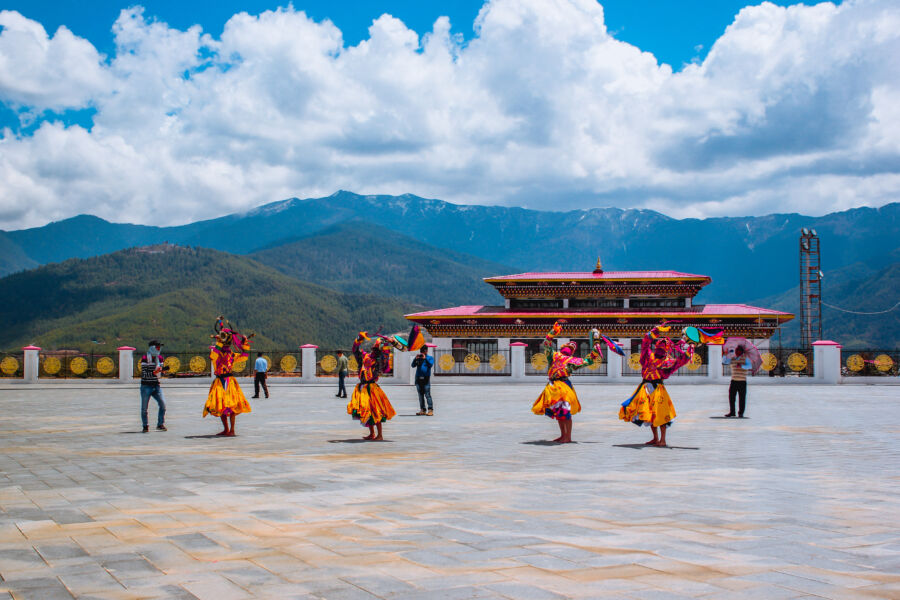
[[558, 400], [225, 399], [650, 403], [369, 404]]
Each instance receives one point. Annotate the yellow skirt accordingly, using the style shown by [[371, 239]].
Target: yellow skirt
[[370, 405], [225, 400], [557, 401], [649, 408]]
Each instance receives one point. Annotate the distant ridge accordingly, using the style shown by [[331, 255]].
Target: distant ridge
[[747, 257], [174, 294]]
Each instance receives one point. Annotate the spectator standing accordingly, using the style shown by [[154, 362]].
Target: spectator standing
[[260, 372], [151, 367], [423, 365], [740, 364], [343, 369]]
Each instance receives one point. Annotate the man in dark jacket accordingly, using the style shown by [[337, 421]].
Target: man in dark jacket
[[423, 365]]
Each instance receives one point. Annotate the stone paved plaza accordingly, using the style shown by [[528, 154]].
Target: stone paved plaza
[[799, 500]]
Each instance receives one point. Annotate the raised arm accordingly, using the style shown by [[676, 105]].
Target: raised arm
[[548, 340], [682, 353], [647, 343], [577, 363], [356, 350]]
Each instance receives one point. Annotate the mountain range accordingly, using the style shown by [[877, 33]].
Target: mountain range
[[174, 294], [432, 253]]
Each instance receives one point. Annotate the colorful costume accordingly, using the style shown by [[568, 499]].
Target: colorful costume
[[369, 403], [225, 396], [660, 357], [559, 400]]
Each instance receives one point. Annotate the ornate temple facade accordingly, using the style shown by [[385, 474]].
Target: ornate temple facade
[[623, 305]]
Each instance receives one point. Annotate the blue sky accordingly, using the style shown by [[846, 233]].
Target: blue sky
[[690, 108], [671, 29]]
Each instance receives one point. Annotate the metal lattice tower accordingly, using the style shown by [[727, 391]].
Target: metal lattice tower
[[810, 288]]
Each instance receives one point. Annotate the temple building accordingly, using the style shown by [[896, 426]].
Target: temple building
[[623, 305]]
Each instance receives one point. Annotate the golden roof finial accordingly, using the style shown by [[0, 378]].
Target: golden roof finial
[[599, 268]]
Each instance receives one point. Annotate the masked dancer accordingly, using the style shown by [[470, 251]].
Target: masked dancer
[[650, 404], [368, 403], [226, 400], [559, 400]]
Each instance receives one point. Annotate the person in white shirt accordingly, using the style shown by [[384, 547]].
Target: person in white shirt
[[260, 370]]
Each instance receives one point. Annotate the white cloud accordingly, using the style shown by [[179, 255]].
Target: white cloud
[[42, 72], [793, 109]]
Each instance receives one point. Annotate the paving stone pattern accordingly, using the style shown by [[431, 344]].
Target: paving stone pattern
[[799, 500]]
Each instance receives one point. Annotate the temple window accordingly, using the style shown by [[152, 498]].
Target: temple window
[[536, 303], [596, 303], [657, 303]]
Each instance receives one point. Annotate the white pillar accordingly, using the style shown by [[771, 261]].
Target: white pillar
[[517, 361], [827, 361], [402, 369], [32, 363], [502, 343], [308, 360], [126, 363], [613, 365], [715, 363]]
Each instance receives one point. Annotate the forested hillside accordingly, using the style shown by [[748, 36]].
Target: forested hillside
[[360, 257], [175, 294]]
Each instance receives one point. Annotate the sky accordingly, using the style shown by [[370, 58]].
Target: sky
[[168, 112]]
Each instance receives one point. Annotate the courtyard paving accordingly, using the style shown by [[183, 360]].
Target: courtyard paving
[[799, 500]]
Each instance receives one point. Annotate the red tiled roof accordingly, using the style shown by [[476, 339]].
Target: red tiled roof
[[499, 311], [581, 275]]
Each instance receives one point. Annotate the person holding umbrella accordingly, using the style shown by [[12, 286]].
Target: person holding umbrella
[[743, 356]]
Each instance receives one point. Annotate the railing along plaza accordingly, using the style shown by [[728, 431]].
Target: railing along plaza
[[826, 362]]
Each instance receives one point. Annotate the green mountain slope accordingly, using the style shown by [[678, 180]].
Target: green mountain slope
[[765, 247], [859, 288], [359, 257], [175, 293], [12, 257]]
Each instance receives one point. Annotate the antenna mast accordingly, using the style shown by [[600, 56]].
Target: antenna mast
[[810, 288]]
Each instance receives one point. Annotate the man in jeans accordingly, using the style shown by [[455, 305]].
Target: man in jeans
[[423, 364], [151, 367], [343, 369], [260, 372], [740, 365]]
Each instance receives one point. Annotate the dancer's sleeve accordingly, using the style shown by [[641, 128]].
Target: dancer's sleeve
[[647, 343], [683, 353], [356, 350], [594, 357], [548, 340]]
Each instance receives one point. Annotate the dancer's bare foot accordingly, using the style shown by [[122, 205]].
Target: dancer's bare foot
[[231, 433], [371, 436], [567, 440], [378, 438], [652, 442], [223, 432], [661, 445], [559, 439]]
